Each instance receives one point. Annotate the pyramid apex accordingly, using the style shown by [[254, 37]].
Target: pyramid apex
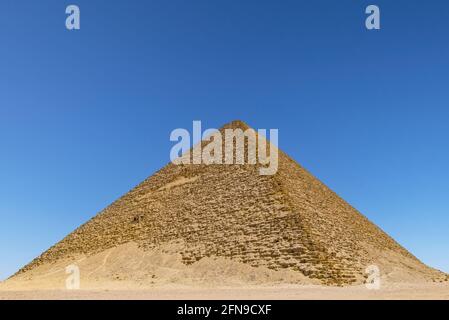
[[236, 124]]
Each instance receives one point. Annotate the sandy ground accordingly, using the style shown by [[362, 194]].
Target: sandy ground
[[402, 291], [127, 272]]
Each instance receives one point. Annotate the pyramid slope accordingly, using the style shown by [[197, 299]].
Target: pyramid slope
[[288, 221]]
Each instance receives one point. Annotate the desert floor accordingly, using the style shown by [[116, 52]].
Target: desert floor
[[127, 272], [402, 291]]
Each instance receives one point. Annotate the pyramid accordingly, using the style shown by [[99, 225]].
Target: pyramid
[[287, 221]]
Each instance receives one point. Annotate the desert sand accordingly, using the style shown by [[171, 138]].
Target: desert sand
[[161, 275], [286, 292]]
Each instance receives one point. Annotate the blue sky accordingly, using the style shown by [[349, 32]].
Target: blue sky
[[86, 115]]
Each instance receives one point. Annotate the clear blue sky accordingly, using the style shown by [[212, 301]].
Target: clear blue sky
[[86, 115]]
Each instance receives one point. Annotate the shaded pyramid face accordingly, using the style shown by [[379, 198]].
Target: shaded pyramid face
[[287, 221]]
